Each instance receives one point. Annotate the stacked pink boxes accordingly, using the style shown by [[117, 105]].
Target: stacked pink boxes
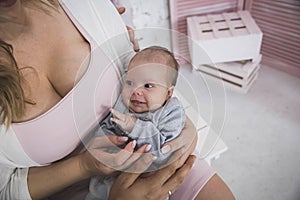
[[226, 47]]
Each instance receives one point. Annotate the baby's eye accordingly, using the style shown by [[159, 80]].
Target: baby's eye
[[128, 82], [148, 85]]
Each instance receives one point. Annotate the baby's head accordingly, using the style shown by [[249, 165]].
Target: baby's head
[[150, 79]]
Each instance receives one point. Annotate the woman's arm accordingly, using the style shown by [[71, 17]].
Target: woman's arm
[[45, 181]]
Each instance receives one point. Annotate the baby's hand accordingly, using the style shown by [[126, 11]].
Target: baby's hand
[[125, 121]]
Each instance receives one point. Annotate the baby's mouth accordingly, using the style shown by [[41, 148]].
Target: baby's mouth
[[137, 103]]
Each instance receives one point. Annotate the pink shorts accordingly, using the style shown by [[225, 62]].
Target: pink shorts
[[195, 180]]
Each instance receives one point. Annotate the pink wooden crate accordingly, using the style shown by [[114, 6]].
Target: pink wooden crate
[[180, 10], [238, 88], [223, 37], [238, 76], [238, 73]]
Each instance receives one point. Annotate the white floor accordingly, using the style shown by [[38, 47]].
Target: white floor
[[262, 132]]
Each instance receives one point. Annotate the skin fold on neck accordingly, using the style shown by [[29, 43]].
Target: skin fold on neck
[[13, 21]]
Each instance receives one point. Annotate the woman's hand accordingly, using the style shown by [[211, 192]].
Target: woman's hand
[[98, 161], [164, 181], [157, 186], [134, 41]]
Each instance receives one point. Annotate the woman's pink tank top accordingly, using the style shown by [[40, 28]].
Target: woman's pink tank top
[[56, 133]]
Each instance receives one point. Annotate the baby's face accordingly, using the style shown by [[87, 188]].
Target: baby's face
[[146, 87]]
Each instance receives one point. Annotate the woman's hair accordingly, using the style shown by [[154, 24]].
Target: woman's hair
[[43, 5], [12, 97]]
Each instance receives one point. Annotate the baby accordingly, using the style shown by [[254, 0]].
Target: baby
[[146, 112]]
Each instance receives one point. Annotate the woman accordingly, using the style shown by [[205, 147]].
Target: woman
[[52, 96]]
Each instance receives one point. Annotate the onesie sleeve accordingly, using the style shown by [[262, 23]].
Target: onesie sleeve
[[13, 183]]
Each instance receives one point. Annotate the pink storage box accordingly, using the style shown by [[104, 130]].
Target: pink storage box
[[223, 37]]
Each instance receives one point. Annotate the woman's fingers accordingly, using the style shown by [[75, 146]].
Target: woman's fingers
[[107, 141], [142, 162], [177, 178], [178, 156], [134, 157], [131, 34], [114, 157], [128, 178], [136, 45], [123, 159], [121, 10], [125, 180], [176, 161], [129, 161], [134, 41], [155, 186]]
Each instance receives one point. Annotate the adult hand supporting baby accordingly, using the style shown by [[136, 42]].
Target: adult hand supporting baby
[[165, 180], [157, 186], [97, 161]]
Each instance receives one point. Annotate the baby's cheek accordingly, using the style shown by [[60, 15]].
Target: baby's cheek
[[125, 97]]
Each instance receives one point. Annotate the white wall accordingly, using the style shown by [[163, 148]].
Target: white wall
[[150, 19]]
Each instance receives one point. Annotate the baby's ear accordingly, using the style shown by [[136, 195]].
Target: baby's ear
[[170, 91]]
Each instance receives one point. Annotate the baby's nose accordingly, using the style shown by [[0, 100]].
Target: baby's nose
[[138, 91]]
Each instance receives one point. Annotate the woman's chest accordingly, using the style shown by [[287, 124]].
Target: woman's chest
[[51, 63], [73, 117]]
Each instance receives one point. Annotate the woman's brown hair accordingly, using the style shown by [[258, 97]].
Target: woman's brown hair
[[12, 98]]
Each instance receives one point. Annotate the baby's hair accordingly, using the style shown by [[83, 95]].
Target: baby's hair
[[158, 54]]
